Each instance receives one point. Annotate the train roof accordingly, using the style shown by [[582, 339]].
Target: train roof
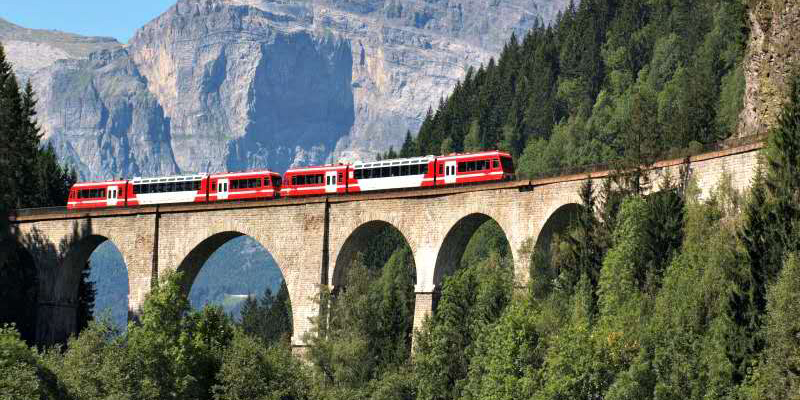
[[179, 178], [246, 173], [311, 168], [456, 156], [85, 184]]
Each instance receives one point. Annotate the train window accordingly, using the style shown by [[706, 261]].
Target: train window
[[357, 174], [404, 170], [462, 167], [102, 193], [235, 184], [341, 177], [495, 163], [470, 166], [423, 169], [196, 185], [386, 172], [276, 181], [395, 171], [441, 169], [414, 169], [255, 183]]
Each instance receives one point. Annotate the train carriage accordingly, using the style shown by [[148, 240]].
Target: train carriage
[[244, 185], [166, 190], [314, 181], [473, 168], [402, 173], [97, 195]]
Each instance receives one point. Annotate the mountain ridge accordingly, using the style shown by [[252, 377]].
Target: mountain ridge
[[215, 85]]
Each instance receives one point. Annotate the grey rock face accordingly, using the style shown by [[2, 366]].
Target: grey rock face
[[100, 117], [216, 85]]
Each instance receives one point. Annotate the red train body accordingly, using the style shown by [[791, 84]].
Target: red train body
[[416, 172]]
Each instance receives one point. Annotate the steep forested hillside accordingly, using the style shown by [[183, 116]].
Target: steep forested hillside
[[607, 79]]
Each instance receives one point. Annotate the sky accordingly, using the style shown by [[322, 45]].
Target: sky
[[115, 18]]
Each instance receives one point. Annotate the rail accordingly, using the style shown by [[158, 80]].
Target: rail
[[671, 155]]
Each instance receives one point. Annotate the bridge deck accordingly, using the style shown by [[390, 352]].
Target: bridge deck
[[61, 213]]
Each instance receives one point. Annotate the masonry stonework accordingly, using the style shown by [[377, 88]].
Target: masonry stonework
[[314, 240]]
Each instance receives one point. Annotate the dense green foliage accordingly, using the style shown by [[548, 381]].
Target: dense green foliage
[[622, 81], [668, 295], [30, 176]]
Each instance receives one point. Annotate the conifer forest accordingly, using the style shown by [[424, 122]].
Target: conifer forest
[[651, 292]]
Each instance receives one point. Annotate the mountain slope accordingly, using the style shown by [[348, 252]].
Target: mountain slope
[[233, 84]]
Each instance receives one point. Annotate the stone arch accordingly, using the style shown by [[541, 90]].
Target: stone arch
[[558, 221], [59, 282], [448, 258], [196, 258], [191, 265], [355, 242]]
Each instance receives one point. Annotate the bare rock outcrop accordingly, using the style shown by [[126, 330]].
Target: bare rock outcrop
[[772, 58], [215, 85]]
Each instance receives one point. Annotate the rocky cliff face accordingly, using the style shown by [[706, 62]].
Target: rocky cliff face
[[773, 57], [233, 84]]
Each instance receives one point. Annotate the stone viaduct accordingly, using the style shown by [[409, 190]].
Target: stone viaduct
[[314, 239]]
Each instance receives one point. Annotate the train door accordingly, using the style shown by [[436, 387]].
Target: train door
[[330, 182], [112, 193], [449, 172], [222, 189]]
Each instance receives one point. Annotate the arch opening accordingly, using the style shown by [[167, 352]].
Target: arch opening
[[373, 244], [109, 275], [472, 239], [374, 282], [236, 272], [95, 280], [558, 223]]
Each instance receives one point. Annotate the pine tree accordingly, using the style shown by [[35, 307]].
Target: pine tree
[[86, 297], [472, 142], [447, 146], [783, 169], [409, 147]]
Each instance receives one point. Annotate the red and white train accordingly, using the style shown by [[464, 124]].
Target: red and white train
[[417, 172]]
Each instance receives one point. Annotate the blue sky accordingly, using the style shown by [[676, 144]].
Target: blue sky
[[115, 18]]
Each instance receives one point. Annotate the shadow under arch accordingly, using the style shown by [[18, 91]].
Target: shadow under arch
[[59, 269], [359, 240], [455, 244], [558, 222], [19, 289]]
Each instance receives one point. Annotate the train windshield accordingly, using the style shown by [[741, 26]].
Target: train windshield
[[508, 165]]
